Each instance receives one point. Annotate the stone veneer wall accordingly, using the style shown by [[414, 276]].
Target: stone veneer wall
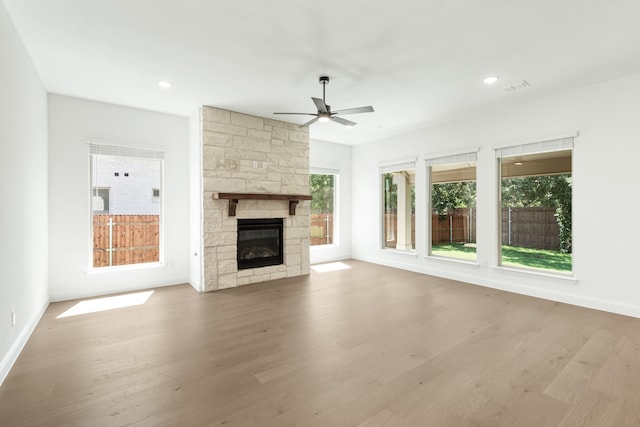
[[248, 154]]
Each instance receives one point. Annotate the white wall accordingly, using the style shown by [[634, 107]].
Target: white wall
[[74, 122], [23, 195], [605, 202], [335, 156]]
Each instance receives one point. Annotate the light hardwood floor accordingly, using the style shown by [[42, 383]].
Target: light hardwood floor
[[368, 346]]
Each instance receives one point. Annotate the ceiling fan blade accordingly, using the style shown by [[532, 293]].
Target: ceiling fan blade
[[310, 122], [301, 114], [368, 109], [343, 121], [320, 105]]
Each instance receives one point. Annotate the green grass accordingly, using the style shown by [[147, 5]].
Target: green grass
[[552, 261]]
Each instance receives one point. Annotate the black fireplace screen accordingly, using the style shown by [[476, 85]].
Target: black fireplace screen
[[259, 242]]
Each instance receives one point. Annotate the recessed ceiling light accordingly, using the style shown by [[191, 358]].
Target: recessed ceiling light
[[164, 84], [491, 80], [518, 163]]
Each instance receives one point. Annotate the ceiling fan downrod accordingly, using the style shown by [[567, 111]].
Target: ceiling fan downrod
[[323, 80]]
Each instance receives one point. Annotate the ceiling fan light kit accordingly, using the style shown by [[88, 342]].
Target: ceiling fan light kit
[[325, 114]]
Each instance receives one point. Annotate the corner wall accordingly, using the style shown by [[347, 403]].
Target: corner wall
[[23, 195], [605, 181]]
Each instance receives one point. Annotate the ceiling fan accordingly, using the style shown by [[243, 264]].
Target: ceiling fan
[[325, 114]]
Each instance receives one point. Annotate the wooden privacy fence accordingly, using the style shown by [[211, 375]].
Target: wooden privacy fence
[[530, 228], [125, 239], [523, 227], [458, 226], [321, 229]]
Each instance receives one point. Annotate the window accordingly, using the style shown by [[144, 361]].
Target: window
[[398, 206], [453, 206], [322, 218], [125, 220], [100, 200], [535, 194]]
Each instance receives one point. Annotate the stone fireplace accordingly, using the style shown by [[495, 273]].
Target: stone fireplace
[[248, 155]]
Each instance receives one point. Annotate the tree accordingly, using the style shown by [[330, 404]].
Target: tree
[[390, 194], [550, 191], [452, 195], [321, 187]]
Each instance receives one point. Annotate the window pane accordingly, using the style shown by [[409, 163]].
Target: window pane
[[321, 219], [100, 200], [126, 210], [398, 210], [536, 211], [453, 210]]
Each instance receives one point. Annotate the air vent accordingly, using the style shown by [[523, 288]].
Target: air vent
[[516, 86]]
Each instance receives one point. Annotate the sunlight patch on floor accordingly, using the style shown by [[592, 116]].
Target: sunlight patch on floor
[[331, 266], [106, 303]]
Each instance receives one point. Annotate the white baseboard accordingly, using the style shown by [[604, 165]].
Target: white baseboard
[[66, 296], [513, 286], [14, 351]]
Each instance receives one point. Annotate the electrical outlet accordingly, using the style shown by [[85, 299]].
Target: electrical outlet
[[264, 165], [255, 164], [13, 318]]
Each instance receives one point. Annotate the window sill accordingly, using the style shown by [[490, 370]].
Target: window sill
[[453, 260], [565, 278], [128, 267], [412, 253]]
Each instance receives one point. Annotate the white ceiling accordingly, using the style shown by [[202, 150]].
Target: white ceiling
[[418, 62]]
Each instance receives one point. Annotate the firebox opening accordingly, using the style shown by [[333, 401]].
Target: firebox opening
[[260, 242]]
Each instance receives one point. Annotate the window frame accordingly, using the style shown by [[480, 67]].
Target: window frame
[[336, 205], [110, 149], [456, 157], [556, 143], [391, 167]]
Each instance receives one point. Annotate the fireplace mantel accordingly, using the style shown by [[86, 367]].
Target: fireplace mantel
[[234, 198]]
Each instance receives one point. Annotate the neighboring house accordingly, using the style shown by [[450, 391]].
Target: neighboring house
[[125, 185]]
